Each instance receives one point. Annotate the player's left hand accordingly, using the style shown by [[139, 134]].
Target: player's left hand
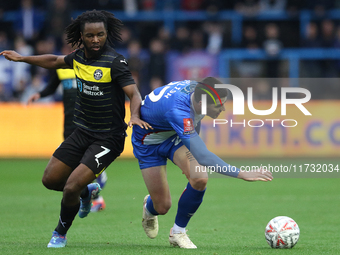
[[139, 122]]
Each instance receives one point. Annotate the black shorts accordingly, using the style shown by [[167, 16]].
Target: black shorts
[[96, 150]]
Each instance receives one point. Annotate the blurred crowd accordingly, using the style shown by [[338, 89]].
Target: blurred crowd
[[39, 30]]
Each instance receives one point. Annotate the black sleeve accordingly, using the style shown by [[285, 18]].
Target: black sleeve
[[120, 72], [52, 85], [69, 58]]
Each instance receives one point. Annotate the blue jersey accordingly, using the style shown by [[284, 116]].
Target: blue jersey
[[168, 110]]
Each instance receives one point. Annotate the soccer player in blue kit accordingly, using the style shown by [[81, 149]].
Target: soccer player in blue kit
[[174, 112]]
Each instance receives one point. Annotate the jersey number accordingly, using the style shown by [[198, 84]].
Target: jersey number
[[101, 154], [155, 98]]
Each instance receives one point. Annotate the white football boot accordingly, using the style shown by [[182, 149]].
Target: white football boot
[[181, 240], [149, 223]]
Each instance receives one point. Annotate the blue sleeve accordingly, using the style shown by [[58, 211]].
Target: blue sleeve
[[206, 158]]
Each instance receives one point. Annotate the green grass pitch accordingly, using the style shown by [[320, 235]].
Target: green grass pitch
[[231, 219]]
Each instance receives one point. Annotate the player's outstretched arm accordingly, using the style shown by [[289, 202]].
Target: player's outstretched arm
[[206, 158], [135, 103], [48, 61]]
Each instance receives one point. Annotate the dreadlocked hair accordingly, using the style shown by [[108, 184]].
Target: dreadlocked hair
[[111, 23]]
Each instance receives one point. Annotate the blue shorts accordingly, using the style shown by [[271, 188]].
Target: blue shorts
[[157, 154]]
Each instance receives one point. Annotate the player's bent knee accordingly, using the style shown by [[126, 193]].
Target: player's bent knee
[[163, 208], [71, 190], [199, 183], [51, 184]]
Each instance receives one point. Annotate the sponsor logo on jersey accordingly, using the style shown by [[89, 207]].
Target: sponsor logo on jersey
[[80, 85], [89, 90], [98, 74], [188, 126]]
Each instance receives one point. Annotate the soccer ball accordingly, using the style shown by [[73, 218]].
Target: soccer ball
[[282, 232]]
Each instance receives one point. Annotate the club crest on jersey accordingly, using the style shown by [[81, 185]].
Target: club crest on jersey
[[188, 126], [189, 88], [98, 74]]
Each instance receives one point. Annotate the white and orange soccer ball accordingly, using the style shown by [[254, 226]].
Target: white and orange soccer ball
[[282, 232]]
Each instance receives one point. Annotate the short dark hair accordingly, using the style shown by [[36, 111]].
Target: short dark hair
[[111, 23], [206, 84]]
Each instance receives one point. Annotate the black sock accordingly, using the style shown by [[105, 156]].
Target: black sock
[[84, 193], [67, 215]]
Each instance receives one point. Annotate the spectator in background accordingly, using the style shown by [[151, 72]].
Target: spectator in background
[[130, 7], [192, 5], [44, 46], [311, 68], [57, 18], [135, 62], [250, 39], [328, 67], [126, 36], [272, 5], [165, 36], [4, 41], [4, 95], [319, 6], [157, 61], [30, 22], [294, 6], [247, 7], [215, 37], [213, 6], [272, 46], [181, 41], [327, 34], [250, 68], [198, 40], [312, 37], [21, 72]]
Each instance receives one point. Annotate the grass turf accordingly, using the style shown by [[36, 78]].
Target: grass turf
[[230, 221]]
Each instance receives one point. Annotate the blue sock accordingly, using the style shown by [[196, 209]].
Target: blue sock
[[149, 206], [188, 204]]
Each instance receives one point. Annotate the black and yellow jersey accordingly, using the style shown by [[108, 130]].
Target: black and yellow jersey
[[100, 102], [67, 79]]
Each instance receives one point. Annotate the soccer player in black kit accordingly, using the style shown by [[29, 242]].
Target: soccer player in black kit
[[103, 79], [67, 78]]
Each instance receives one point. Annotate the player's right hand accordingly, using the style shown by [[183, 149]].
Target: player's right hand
[[33, 98], [255, 175], [11, 55]]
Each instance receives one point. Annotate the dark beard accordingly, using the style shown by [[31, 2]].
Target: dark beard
[[93, 54]]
